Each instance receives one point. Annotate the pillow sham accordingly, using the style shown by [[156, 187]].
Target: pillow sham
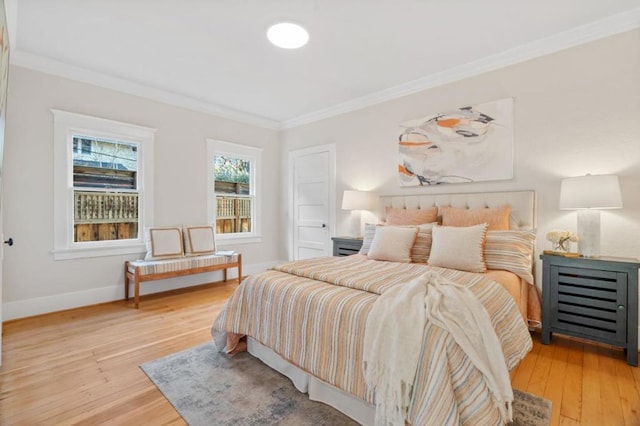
[[199, 240], [511, 251], [367, 237], [422, 245], [496, 218], [397, 216], [393, 243], [459, 248], [163, 243]]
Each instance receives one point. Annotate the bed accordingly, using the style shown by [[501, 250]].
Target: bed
[[308, 319]]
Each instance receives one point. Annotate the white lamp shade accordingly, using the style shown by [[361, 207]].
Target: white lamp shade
[[358, 200], [590, 192]]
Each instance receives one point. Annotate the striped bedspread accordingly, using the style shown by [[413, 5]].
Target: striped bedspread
[[313, 313]]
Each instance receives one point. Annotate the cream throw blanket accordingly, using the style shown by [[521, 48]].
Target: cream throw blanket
[[394, 334]]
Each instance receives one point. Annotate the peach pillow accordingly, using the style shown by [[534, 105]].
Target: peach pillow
[[496, 218], [397, 216]]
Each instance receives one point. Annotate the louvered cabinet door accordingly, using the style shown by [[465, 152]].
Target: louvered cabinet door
[[594, 299]]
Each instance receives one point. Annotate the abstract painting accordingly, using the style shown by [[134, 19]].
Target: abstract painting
[[468, 144]]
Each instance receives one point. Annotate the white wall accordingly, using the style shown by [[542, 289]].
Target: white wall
[[575, 112], [33, 281]]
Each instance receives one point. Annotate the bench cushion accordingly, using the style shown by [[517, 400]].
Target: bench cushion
[[150, 267]]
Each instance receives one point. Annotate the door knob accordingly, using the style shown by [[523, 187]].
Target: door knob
[[324, 225], [9, 241]]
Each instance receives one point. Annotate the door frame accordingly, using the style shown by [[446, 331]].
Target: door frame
[[331, 149]]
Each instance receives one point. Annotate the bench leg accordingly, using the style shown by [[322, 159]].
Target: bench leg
[[136, 298], [239, 268], [224, 274], [126, 281]]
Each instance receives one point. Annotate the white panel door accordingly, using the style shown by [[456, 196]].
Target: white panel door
[[312, 189]]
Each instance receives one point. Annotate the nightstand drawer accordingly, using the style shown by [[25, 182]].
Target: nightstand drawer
[[347, 251], [345, 246]]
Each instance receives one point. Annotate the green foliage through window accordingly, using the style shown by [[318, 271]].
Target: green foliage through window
[[229, 169]]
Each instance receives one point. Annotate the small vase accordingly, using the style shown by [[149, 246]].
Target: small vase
[[563, 246]]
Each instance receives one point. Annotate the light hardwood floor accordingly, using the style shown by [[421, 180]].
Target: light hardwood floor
[[82, 366]]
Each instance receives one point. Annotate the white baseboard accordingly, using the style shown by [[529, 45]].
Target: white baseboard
[[59, 302]]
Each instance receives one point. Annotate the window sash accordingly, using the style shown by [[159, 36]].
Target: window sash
[[66, 126], [246, 153], [234, 213]]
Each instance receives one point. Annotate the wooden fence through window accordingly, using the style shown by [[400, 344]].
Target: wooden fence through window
[[103, 216], [233, 214]]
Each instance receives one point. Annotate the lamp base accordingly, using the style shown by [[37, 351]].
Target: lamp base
[[589, 232], [356, 232]]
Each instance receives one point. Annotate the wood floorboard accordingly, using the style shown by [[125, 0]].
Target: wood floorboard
[[609, 386], [557, 373], [629, 394], [571, 404], [81, 367]]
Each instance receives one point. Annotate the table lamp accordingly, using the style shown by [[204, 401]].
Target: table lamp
[[589, 194], [356, 201]]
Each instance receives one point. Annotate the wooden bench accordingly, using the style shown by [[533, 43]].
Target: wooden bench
[[137, 271]]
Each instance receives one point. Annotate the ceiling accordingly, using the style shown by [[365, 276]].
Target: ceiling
[[213, 55]]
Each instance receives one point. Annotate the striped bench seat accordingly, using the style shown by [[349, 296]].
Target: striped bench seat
[[137, 271]]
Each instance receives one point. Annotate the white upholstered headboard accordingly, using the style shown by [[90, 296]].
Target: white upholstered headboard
[[523, 204]]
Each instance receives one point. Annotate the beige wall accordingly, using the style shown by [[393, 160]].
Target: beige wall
[[575, 112], [33, 281]]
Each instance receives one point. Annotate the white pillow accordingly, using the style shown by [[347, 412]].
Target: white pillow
[[164, 243], [393, 243], [458, 247], [199, 240]]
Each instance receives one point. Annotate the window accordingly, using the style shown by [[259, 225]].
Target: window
[[102, 186], [105, 191], [234, 191]]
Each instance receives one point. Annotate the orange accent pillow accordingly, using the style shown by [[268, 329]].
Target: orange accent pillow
[[411, 216], [496, 218]]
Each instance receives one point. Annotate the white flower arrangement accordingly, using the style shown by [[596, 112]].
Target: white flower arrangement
[[561, 239]]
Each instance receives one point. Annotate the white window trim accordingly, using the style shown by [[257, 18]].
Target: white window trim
[[65, 125], [253, 154]]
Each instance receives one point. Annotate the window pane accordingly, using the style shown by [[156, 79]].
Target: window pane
[[104, 164], [233, 214], [104, 180], [232, 176], [103, 216]]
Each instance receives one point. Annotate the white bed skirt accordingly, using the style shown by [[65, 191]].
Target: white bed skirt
[[359, 410]]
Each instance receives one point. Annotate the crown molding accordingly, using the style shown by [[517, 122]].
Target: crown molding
[[610, 26], [50, 66], [597, 30]]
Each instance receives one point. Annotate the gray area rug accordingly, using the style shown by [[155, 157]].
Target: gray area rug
[[208, 388]]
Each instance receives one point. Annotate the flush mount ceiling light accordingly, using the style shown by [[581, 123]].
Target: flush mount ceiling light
[[287, 35]]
